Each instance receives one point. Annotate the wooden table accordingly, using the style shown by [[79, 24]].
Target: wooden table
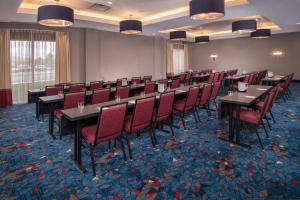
[[273, 81], [234, 103], [200, 77], [90, 111], [233, 79]]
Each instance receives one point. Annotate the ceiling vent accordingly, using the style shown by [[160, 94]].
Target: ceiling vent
[[100, 7]]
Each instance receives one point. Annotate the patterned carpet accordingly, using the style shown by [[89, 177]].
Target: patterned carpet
[[194, 165]]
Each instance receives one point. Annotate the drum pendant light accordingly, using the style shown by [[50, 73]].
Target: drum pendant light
[[207, 9], [261, 34], [244, 26], [131, 27], [202, 39], [177, 35], [55, 15]]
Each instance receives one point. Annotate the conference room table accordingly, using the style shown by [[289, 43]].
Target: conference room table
[[233, 103], [90, 111], [273, 80], [233, 79], [200, 77]]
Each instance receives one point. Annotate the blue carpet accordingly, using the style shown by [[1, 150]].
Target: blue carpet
[[194, 165]]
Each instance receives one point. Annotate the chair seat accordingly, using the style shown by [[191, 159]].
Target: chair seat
[[249, 116], [57, 113], [179, 105], [260, 104], [159, 118]]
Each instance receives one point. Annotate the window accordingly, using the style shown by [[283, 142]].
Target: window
[[178, 58], [32, 62]]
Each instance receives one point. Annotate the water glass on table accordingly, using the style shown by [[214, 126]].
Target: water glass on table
[[80, 106]]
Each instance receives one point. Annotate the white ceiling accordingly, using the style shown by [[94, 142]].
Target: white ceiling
[[284, 13]]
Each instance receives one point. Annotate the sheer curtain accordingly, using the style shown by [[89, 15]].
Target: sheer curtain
[[32, 61], [178, 58]]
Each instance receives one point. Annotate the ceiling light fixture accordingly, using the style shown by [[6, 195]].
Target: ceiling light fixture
[[244, 26], [261, 34], [131, 27], [202, 39], [177, 35], [207, 9], [109, 2], [55, 15]]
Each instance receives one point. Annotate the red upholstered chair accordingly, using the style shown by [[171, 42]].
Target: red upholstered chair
[[255, 118], [175, 83], [147, 79], [188, 78], [214, 93], [95, 85], [119, 81], [182, 77], [187, 104], [149, 87], [100, 96], [221, 76], [284, 90], [203, 98], [216, 77], [53, 90], [71, 100], [164, 81], [164, 110], [210, 78], [78, 87], [123, 92], [251, 78], [140, 119], [136, 80], [109, 127]]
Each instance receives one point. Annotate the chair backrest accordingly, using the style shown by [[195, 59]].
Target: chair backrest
[[216, 77], [72, 99], [78, 87], [251, 78], [136, 80], [149, 87], [221, 76], [215, 91], [165, 106], [254, 79], [191, 98], [182, 77], [175, 83], [211, 78], [95, 85], [119, 81], [205, 94], [147, 79], [164, 81], [123, 92], [53, 90], [110, 122], [143, 113], [188, 76], [246, 79], [266, 105], [100, 96], [276, 92]]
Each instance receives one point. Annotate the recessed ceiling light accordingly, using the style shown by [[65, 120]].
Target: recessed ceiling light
[[298, 23], [109, 2]]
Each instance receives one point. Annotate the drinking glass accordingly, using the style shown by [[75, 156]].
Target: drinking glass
[[142, 94], [80, 106], [230, 93], [118, 98], [60, 93]]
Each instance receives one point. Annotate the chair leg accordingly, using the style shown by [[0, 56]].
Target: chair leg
[[123, 148], [93, 160], [216, 105], [183, 121], [198, 115], [154, 135], [263, 124], [269, 125], [109, 145], [195, 117], [60, 129], [260, 142], [171, 126], [271, 113], [128, 146], [115, 143]]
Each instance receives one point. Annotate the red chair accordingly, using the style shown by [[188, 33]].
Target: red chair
[[251, 78], [140, 119], [203, 98], [221, 76], [175, 83], [188, 78], [71, 100], [216, 77], [182, 77], [149, 87], [255, 118], [164, 110], [109, 127], [136, 80], [123, 92], [100, 96], [210, 78], [147, 79], [187, 104], [214, 93], [119, 82], [77, 87], [95, 85], [53, 90]]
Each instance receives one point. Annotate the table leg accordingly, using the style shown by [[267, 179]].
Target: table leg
[[37, 109], [77, 149], [51, 120]]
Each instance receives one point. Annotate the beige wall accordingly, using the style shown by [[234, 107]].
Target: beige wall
[[250, 54]]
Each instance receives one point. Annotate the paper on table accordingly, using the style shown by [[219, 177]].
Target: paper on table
[[180, 90], [157, 96], [250, 97], [262, 89], [131, 101]]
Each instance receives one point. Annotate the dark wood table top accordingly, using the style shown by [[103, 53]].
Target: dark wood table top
[[247, 98], [201, 76], [235, 77], [275, 78], [89, 111]]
